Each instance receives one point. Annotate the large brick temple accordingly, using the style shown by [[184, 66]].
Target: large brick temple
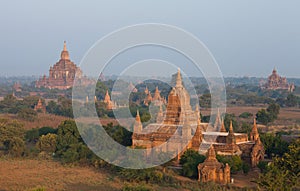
[[183, 125], [276, 82], [62, 74]]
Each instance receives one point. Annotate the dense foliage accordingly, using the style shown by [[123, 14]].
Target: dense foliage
[[284, 172], [189, 161]]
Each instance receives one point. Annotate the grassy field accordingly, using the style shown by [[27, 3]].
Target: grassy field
[[29, 174], [42, 120]]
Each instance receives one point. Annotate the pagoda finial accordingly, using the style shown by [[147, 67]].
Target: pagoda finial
[[137, 117], [211, 153], [65, 46], [231, 128], [65, 54], [222, 126], [178, 79]]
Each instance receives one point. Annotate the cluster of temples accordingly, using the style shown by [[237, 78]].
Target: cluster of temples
[[275, 82], [179, 128], [62, 74], [156, 100]]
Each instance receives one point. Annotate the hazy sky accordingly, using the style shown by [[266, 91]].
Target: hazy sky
[[247, 37]]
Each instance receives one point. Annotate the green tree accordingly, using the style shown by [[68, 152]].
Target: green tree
[[70, 146], [263, 117], [12, 137], [27, 114], [284, 172], [228, 118], [273, 144], [32, 135], [119, 134], [9, 104], [46, 130], [273, 110], [47, 143], [189, 161], [292, 100], [245, 115], [235, 162]]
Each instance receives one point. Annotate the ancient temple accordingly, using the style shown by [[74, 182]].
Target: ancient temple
[[212, 170], [40, 106], [156, 100], [62, 74], [179, 123], [230, 143], [182, 125], [275, 82], [109, 103]]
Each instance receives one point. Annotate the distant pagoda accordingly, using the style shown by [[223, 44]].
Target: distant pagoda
[[276, 82], [62, 74]]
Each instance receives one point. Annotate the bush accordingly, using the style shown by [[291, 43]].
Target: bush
[[46, 130], [246, 115], [47, 143], [189, 161], [27, 114], [235, 162], [32, 135], [262, 165], [246, 167], [12, 137]]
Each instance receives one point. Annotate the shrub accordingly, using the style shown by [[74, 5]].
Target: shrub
[[189, 161]]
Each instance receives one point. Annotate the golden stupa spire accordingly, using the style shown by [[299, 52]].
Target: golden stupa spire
[[178, 79], [65, 54], [231, 128], [65, 46], [222, 126], [137, 117]]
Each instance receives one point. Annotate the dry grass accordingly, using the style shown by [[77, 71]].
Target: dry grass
[[29, 174], [41, 121]]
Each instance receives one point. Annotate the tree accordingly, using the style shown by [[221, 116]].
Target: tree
[[27, 114], [9, 104], [32, 135], [273, 110], [284, 172], [46, 130], [263, 117], [235, 162], [47, 143], [273, 144], [228, 119], [119, 134], [189, 161], [70, 146], [12, 137], [245, 115], [292, 100]]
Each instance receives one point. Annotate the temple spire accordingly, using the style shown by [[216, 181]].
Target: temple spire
[[178, 79], [65, 46], [137, 117], [211, 154], [231, 128], [138, 126], [222, 126], [254, 135], [65, 54]]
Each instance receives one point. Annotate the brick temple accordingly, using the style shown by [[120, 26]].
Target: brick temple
[[277, 82], [62, 74], [180, 127]]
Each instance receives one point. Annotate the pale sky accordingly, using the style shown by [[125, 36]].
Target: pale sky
[[246, 37]]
